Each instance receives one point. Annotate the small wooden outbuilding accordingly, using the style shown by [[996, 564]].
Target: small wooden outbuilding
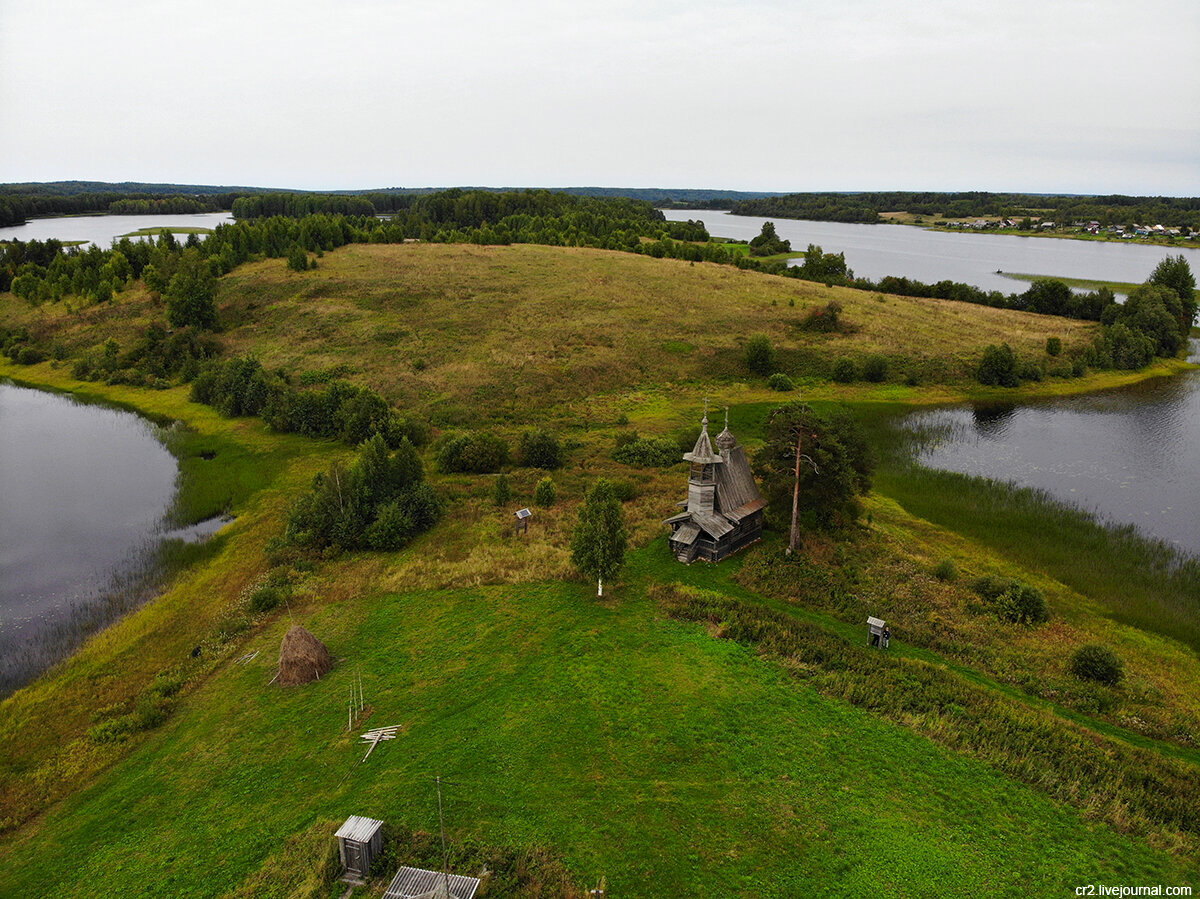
[[360, 841], [878, 633]]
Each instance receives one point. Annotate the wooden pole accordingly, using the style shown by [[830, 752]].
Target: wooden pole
[[794, 538]]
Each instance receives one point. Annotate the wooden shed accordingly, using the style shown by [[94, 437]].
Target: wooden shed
[[878, 634], [360, 840]]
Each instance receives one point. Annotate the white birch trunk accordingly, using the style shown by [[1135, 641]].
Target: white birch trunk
[[599, 586]]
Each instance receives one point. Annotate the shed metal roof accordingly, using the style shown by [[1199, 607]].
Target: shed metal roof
[[410, 883], [358, 829]]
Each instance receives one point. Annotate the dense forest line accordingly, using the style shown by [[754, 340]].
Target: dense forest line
[[1176, 212], [16, 209], [42, 271], [20, 202]]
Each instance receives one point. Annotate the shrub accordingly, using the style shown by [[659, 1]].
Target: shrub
[[760, 355], [502, 494], [781, 382], [1029, 371], [648, 452], [875, 369], [540, 449], [1012, 600], [998, 368], [545, 493], [475, 452], [946, 571], [1053, 346], [844, 371], [265, 598], [1097, 663], [30, 356], [297, 258], [826, 319]]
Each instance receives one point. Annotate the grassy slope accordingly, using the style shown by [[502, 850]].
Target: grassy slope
[[647, 751], [373, 309], [503, 330]]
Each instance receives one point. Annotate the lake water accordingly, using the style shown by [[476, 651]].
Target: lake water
[[874, 251], [81, 488], [1131, 455], [84, 496], [103, 229]]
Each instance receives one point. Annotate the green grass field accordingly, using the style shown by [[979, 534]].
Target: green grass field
[[643, 749], [612, 735]]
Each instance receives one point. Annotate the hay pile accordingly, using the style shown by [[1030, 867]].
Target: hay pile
[[302, 658]]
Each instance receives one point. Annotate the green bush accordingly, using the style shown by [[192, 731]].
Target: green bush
[[875, 369], [845, 371], [502, 493], [998, 368], [1053, 346], [477, 452], [760, 355], [648, 452], [265, 598], [540, 449], [30, 356], [1097, 663], [545, 493], [780, 382], [1013, 600], [946, 571]]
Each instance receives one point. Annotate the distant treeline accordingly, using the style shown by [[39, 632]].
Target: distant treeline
[[42, 271], [19, 202], [1176, 212], [16, 209]]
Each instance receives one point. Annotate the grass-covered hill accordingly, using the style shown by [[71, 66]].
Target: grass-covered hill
[[703, 730]]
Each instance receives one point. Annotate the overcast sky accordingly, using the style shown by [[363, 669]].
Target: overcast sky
[[1096, 96]]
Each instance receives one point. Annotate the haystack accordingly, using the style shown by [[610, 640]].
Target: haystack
[[302, 658]]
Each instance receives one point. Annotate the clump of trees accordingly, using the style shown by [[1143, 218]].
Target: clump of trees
[[343, 411], [835, 468], [191, 293], [768, 243], [380, 502]]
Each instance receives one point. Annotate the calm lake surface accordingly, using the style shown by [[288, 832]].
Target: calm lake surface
[[82, 488], [1132, 455], [874, 251], [103, 229]]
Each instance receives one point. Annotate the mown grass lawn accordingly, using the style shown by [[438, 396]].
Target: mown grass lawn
[[641, 749]]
